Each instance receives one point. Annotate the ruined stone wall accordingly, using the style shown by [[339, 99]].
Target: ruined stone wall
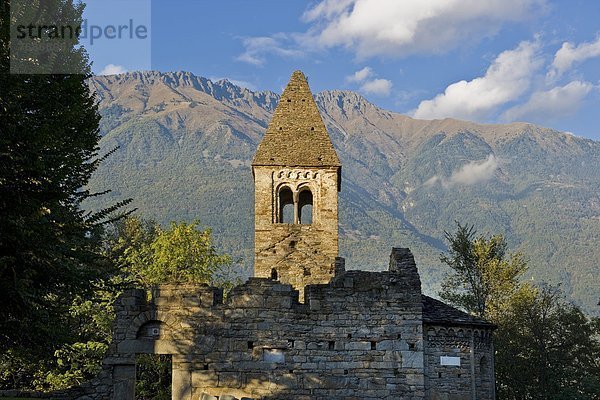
[[358, 337], [346, 341], [469, 347], [361, 336], [301, 254]]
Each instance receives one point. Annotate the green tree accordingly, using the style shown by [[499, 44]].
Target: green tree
[[145, 255], [180, 254], [484, 277], [547, 349], [153, 377], [49, 247], [150, 255], [90, 323]]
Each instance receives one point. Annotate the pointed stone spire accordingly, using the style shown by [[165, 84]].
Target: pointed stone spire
[[296, 135]]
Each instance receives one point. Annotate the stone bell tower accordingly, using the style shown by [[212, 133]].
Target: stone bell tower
[[297, 177]]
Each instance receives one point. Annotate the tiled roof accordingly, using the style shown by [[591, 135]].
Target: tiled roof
[[296, 135], [440, 313]]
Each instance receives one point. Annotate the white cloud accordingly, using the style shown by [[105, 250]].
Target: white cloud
[[550, 104], [360, 75], [475, 172], [379, 87], [376, 86], [568, 55], [257, 48], [469, 174], [112, 69], [505, 80], [399, 28], [327, 8]]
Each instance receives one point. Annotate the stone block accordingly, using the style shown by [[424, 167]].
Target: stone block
[[182, 383], [124, 382], [204, 379], [230, 379], [364, 346], [412, 359], [312, 381]]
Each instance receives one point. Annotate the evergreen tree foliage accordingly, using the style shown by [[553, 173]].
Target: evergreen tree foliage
[[49, 247]]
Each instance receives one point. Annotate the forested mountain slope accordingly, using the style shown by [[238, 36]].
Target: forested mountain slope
[[185, 146]]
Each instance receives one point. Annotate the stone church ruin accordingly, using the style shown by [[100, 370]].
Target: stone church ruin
[[303, 327]]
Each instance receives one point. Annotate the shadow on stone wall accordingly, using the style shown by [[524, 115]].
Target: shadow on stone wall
[[361, 336]]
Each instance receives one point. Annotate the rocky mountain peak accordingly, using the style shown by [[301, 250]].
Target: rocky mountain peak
[[185, 144], [182, 82]]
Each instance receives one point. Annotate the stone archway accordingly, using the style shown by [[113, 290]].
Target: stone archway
[[151, 332]]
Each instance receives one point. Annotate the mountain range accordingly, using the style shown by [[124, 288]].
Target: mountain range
[[185, 143]]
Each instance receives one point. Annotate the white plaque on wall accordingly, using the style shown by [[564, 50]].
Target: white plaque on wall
[[273, 356], [452, 361]]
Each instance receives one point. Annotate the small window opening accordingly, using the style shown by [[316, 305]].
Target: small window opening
[[345, 372], [305, 207], [331, 345], [286, 206], [439, 374], [205, 367], [290, 344], [411, 346], [459, 375], [250, 345], [349, 336], [154, 375], [292, 244], [483, 366], [273, 276], [373, 345]]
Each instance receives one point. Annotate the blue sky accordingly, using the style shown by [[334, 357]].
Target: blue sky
[[491, 61]]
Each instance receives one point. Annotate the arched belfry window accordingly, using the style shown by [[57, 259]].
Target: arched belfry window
[[305, 206], [286, 206]]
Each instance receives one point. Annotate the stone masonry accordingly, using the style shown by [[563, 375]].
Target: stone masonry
[[296, 156], [304, 327], [364, 335]]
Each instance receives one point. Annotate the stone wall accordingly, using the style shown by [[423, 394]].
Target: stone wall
[[360, 336], [469, 347], [363, 335]]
